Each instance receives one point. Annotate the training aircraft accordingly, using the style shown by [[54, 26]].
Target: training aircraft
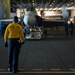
[[31, 19]]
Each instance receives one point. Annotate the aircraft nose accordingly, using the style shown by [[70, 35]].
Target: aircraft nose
[[27, 22]]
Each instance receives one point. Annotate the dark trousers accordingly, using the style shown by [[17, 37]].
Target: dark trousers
[[71, 31], [13, 53], [66, 31]]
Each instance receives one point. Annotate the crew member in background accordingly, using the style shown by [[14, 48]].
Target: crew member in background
[[13, 39], [74, 20], [66, 28], [71, 25], [24, 29]]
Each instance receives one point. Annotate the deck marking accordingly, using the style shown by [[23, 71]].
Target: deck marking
[[40, 72], [37, 69], [44, 69], [55, 69]]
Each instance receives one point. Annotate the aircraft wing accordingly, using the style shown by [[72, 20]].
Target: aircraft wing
[[6, 20]]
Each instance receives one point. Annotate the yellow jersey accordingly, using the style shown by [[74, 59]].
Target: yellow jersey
[[14, 30]]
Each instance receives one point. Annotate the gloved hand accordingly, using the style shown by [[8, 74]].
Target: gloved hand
[[22, 43], [6, 44]]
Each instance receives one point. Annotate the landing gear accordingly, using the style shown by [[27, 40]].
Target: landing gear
[[35, 33]]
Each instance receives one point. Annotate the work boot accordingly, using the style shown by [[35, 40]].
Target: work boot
[[9, 70]]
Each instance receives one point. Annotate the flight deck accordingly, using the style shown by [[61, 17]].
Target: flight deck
[[51, 54]]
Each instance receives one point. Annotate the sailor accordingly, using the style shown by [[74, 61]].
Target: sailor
[[66, 28], [13, 38], [71, 26]]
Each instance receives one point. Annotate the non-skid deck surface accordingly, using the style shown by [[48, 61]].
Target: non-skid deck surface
[[52, 54]]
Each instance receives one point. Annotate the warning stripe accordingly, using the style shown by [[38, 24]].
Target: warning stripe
[[39, 70], [45, 69]]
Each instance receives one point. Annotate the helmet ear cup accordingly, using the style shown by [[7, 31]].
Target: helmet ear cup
[[15, 19]]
